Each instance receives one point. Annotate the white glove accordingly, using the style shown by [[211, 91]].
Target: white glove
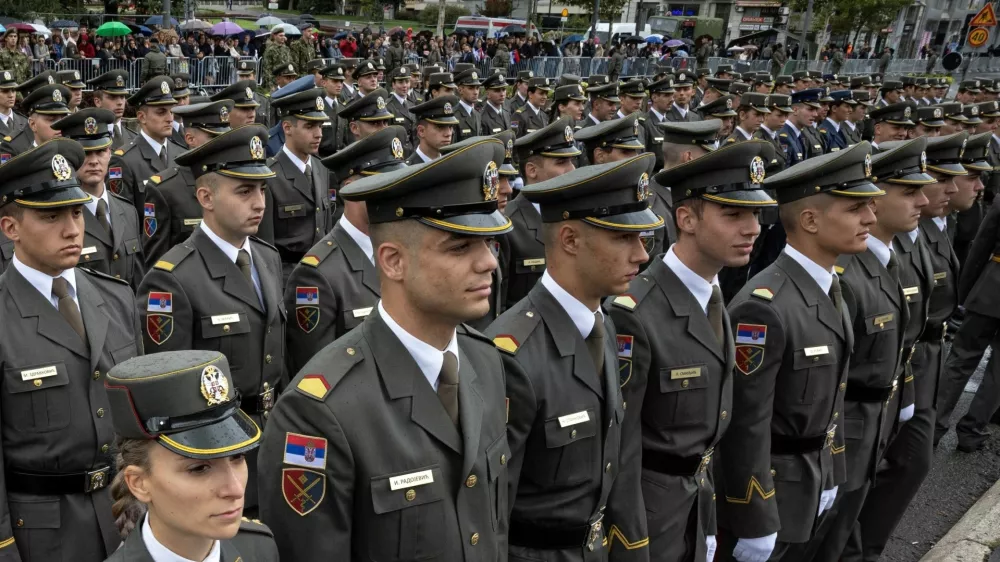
[[826, 499], [906, 413], [755, 550], [710, 547]]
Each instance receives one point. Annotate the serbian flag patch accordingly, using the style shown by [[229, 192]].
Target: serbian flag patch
[[115, 173], [306, 296], [160, 302], [625, 346], [305, 450], [751, 334]]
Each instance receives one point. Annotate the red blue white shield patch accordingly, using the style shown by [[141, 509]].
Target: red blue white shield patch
[[303, 489]]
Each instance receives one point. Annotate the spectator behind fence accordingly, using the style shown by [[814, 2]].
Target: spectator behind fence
[[174, 47]]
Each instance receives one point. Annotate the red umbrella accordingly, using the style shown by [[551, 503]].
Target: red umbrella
[[21, 26]]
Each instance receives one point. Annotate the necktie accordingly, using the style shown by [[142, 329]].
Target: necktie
[[117, 134], [835, 295], [243, 262], [893, 267], [595, 343], [715, 312], [102, 215], [309, 173], [163, 157], [448, 386], [67, 307]]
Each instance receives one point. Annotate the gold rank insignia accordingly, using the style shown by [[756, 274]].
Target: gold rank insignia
[[506, 343], [763, 293]]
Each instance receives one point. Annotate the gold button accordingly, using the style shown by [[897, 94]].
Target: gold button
[[317, 209], [104, 448], [503, 459], [226, 328], [572, 434], [843, 386], [471, 481], [685, 383], [815, 358], [20, 522], [267, 358], [836, 415], [97, 375], [713, 497], [725, 414], [529, 314], [881, 324], [774, 472], [475, 539], [608, 468], [115, 257], [86, 258], [329, 243], [624, 405], [350, 351], [702, 481], [411, 495], [100, 412], [38, 382], [317, 230]]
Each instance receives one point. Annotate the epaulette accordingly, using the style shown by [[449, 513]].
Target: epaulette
[[517, 329], [119, 152], [7, 138], [519, 110], [473, 333], [165, 175], [319, 252], [341, 358], [255, 526], [838, 269], [636, 292], [641, 119], [730, 139], [174, 257], [783, 135], [823, 131], [103, 276], [767, 291]]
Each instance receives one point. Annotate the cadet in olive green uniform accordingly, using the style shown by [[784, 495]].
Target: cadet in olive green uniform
[[217, 440], [221, 288], [793, 349], [435, 128], [71, 79], [335, 286], [531, 116], [111, 243], [400, 105], [494, 117], [44, 106], [752, 109], [182, 94], [10, 120], [60, 335], [661, 94], [675, 347], [682, 108], [247, 70], [110, 93], [392, 443], [572, 485], [469, 121]]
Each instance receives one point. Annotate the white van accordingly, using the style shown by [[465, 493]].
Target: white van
[[619, 31], [488, 27]]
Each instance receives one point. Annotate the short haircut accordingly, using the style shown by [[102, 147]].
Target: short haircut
[[12, 210]]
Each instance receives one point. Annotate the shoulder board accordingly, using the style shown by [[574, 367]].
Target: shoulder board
[[475, 334], [103, 276], [264, 243], [643, 119], [6, 138], [839, 269], [823, 131], [636, 292], [319, 252], [165, 175], [730, 139], [118, 152], [173, 257], [519, 110], [255, 526], [342, 358], [516, 329], [783, 135]]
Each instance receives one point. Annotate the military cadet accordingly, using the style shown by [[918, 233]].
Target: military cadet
[[969, 204], [661, 96], [44, 106], [890, 92], [793, 349], [571, 487], [439, 473], [414, 95], [737, 89], [284, 75], [399, 105], [716, 89], [805, 106], [972, 121], [151, 151], [365, 76], [63, 329], [721, 110], [783, 84], [335, 285], [567, 101], [852, 127], [495, 117], [633, 94], [700, 86], [773, 123], [245, 105], [967, 91], [182, 94], [541, 156], [814, 142], [530, 117], [221, 288], [247, 70], [890, 122], [928, 122], [71, 79], [611, 141], [724, 71], [681, 410], [681, 109], [604, 102], [110, 93], [314, 68], [303, 199], [519, 97], [750, 114], [171, 210], [364, 116], [350, 91], [10, 121], [335, 130], [435, 128], [196, 504], [440, 84], [831, 129], [465, 110]]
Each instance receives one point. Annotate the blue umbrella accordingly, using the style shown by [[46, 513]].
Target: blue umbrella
[[653, 39], [340, 35], [158, 20], [675, 43], [145, 30], [3, 29], [572, 39], [63, 23]]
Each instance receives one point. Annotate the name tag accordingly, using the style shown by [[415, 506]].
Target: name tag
[[907, 291], [88, 250], [466, 131], [400, 120], [573, 419], [534, 262], [688, 373], [883, 319], [192, 222], [225, 319], [657, 139], [361, 312], [292, 208], [410, 480], [39, 373], [497, 130], [941, 275], [818, 350]]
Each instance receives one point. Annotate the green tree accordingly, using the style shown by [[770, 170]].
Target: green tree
[[497, 8], [429, 15], [611, 10]]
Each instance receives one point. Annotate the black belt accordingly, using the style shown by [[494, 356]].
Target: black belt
[[858, 393], [785, 445], [41, 483], [528, 535], [259, 404], [665, 463]]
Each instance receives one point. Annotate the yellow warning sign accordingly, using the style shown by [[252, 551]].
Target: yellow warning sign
[[978, 37], [985, 18]]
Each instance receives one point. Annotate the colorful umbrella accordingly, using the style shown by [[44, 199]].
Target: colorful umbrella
[[113, 29], [21, 26], [675, 43], [226, 28]]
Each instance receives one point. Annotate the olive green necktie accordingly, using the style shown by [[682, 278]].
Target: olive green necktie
[[893, 267], [67, 306], [102, 216], [243, 262], [595, 342], [448, 386], [835, 295], [715, 307]]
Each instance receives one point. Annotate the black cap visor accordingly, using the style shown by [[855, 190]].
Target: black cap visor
[[864, 188], [66, 195], [230, 436], [473, 224], [636, 221]]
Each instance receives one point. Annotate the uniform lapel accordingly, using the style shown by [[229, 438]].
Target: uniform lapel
[[294, 176], [730, 363], [93, 227], [531, 218], [229, 553], [886, 283], [95, 317], [357, 259], [470, 409], [50, 323], [148, 153], [220, 267], [812, 294], [684, 304], [269, 284], [567, 338]]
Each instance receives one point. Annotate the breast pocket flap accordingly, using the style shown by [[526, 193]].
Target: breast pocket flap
[[569, 428], [415, 487], [221, 325], [683, 377], [36, 514], [35, 377], [814, 356], [497, 457]]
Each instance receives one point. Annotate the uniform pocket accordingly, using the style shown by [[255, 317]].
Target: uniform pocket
[[36, 397], [572, 436], [812, 366], [409, 515], [683, 388], [497, 457], [36, 528], [220, 332]]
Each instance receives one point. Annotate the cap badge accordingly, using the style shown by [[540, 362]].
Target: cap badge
[[923, 162], [491, 181], [906, 112], [7, 76], [223, 115], [90, 126], [757, 170], [635, 128], [214, 385], [249, 93], [767, 101], [397, 149], [256, 148], [868, 165], [974, 110], [165, 88], [475, 76], [380, 103], [340, 71], [531, 74], [370, 67], [178, 83], [291, 68], [60, 168], [938, 113], [642, 188], [57, 96], [961, 152], [729, 103], [447, 108], [682, 76], [977, 83], [510, 149], [120, 81], [76, 74], [568, 133], [51, 80], [319, 103]]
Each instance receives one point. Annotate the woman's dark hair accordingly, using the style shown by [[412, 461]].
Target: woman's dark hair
[[126, 509]]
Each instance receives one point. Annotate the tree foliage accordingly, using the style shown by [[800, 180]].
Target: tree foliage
[[611, 10], [497, 8], [848, 16], [429, 15]]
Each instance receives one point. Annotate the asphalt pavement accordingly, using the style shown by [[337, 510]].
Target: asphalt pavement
[[955, 482]]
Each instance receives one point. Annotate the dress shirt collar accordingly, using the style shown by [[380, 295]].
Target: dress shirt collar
[[331, 102], [295, 159], [913, 234], [423, 156], [6, 117], [794, 129], [823, 277], [769, 132], [594, 119], [533, 108], [43, 282], [743, 132], [157, 147], [700, 289], [659, 116], [471, 110], [349, 87], [996, 138], [160, 553], [498, 110], [92, 204], [427, 357], [176, 124], [880, 250], [360, 238], [941, 222], [227, 248], [582, 317], [620, 115], [851, 124], [400, 99], [834, 124], [682, 110]]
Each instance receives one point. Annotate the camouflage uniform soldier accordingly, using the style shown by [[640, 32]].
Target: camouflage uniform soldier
[[302, 51], [14, 60], [276, 54]]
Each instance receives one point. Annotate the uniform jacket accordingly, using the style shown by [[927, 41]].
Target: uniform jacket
[[673, 115], [347, 288], [16, 123], [335, 132], [981, 272], [523, 250], [811, 141], [652, 136], [303, 209], [679, 376], [132, 165], [794, 389], [524, 120], [469, 124], [263, 109], [120, 254], [491, 122], [17, 142], [365, 401], [253, 543], [916, 275], [60, 421], [403, 118], [833, 139], [569, 472], [662, 204], [177, 135], [124, 138], [736, 136], [779, 150], [944, 296], [514, 102], [793, 146], [852, 136]]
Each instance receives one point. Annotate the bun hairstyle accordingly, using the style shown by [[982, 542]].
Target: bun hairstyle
[[126, 509]]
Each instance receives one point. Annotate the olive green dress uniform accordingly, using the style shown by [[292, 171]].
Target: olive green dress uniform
[[199, 383], [492, 121], [675, 113], [469, 121], [336, 270], [113, 82], [785, 443], [56, 424], [196, 297], [651, 122], [387, 474], [16, 121], [401, 115], [575, 469], [515, 101], [528, 119], [180, 90], [676, 371], [47, 100]]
